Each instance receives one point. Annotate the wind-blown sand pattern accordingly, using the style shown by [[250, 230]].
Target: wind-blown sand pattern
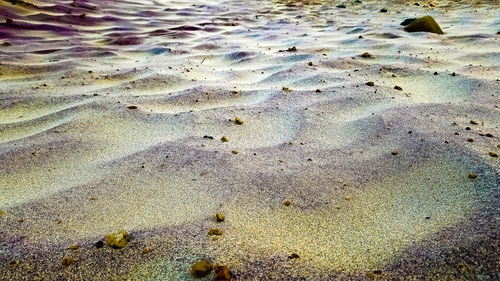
[[108, 108]]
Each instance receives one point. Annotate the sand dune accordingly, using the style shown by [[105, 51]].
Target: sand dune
[[112, 116]]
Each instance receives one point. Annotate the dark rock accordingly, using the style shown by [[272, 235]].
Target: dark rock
[[383, 10], [341, 6], [208, 137], [222, 273], [99, 244], [424, 24], [408, 21]]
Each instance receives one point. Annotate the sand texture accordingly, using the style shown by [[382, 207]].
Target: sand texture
[[112, 115]]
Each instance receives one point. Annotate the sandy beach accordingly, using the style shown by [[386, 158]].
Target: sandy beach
[[336, 145]]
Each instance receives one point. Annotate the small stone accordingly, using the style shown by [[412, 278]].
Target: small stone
[[370, 83], [219, 217], [13, 262], [341, 6], [234, 152], [287, 203], [424, 24], [294, 256], [470, 140], [472, 176], [201, 268], [360, 36], [118, 239], [286, 89], [488, 135], [394, 152], [224, 139], [408, 21], [366, 55], [1, 213], [99, 244], [398, 88], [67, 261], [348, 198], [310, 63], [493, 154], [238, 121], [473, 122], [132, 107], [146, 251], [222, 273], [74, 247], [383, 10], [208, 137], [292, 49], [214, 231], [318, 91], [6, 44], [435, 73], [453, 74]]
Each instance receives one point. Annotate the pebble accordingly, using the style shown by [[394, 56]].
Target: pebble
[[118, 239], [394, 152], [74, 247], [470, 140], [472, 176], [201, 268], [473, 122], [219, 217], [132, 107], [294, 256], [398, 88], [222, 273], [238, 121], [287, 203], [370, 83], [214, 231], [234, 152], [493, 154], [224, 139], [366, 55], [67, 261], [99, 244]]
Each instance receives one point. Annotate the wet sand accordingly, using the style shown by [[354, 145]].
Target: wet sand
[[112, 116]]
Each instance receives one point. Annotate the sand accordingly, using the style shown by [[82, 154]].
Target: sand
[[112, 116]]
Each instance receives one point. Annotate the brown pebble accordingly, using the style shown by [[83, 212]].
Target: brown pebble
[[238, 121], [348, 198], [146, 251], [394, 152], [234, 152], [472, 176], [470, 140], [489, 135], [294, 256], [201, 268], [366, 55], [370, 83], [287, 203], [310, 63], [473, 122], [318, 91], [214, 231], [224, 139], [398, 88], [74, 247], [67, 261], [493, 154], [219, 217], [1, 213], [132, 107], [222, 273]]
